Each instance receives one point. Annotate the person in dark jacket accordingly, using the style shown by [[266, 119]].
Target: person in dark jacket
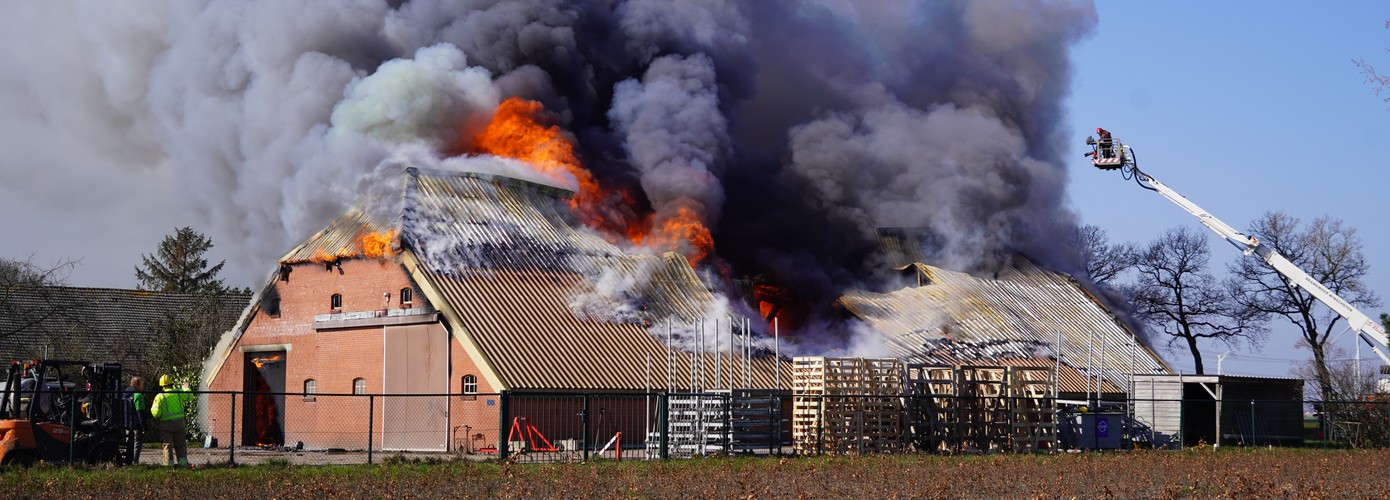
[[136, 409]]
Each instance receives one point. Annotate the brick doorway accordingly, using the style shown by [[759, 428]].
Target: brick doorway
[[263, 413]]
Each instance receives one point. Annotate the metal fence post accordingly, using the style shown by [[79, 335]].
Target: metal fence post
[[72, 427], [729, 422], [1322, 422], [231, 434], [1182, 435], [371, 424], [502, 434], [584, 426], [820, 424], [773, 422], [1253, 441], [662, 420]]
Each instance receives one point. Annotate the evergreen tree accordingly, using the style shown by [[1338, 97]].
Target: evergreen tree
[[179, 266]]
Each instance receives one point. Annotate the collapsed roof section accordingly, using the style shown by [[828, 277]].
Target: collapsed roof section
[[463, 225], [953, 318]]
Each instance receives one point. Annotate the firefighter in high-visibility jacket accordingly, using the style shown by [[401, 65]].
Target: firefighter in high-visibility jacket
[[169, 422]]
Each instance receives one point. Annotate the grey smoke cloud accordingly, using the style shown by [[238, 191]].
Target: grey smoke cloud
[[959, 172], [675, 135], [793, 128]]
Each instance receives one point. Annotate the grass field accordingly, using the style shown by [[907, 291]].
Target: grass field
[[1280, 473]]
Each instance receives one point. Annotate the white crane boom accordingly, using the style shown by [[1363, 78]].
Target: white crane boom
[[1109, 154]]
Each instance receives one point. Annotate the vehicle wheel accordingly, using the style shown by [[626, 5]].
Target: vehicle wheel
[[20, 458], [103, 453]]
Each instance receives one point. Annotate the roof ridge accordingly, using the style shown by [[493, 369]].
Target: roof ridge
[[559, 192], [135, 291]]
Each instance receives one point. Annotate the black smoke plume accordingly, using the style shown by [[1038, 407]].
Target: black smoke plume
[[794, 128]]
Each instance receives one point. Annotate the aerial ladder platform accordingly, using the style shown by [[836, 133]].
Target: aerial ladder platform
[[1108, 153]]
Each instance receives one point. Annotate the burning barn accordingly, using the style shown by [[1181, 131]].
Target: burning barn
[[1025, 315], [696, 123], [487, 286]]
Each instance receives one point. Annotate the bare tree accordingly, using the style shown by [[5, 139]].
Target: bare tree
[[26, 302], [1380, 84], [1102, 260], [1327, 250], [1176, 294], [1349, 381]]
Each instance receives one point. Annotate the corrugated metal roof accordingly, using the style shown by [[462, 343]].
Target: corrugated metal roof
[[1020, 314], [507, 256], [341, 239]]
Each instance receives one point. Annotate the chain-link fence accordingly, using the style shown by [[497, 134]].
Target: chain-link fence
[[253, 428]]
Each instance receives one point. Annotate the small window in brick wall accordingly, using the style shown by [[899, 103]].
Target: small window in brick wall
[[359, 385], [310, 388], [469, 387], [270, 301], [336, 302], [407, 296]]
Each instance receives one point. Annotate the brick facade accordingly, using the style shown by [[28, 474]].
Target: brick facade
[[335, 357]]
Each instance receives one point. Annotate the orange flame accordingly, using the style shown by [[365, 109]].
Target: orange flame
[[516, 131], [372, 245], [261, 362], [682, 231], [377, 245]]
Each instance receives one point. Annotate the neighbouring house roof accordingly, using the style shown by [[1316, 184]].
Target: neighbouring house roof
[[100, 324], [1018, 315]]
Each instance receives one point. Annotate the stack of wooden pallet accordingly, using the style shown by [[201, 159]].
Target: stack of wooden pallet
[[1032, 408], [984, 407], [846, 405], [980, 408], [932, 408]]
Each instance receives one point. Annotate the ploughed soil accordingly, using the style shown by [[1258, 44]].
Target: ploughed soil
[[1198, 473]]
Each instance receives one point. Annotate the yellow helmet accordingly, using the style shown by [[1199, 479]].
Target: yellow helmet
[[165, 381]]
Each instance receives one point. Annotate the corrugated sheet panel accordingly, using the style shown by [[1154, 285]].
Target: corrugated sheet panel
[[341, 239], [551, 304], [1026, 306]]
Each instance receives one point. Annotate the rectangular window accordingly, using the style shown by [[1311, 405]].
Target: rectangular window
[[469, 387], [310, 388]]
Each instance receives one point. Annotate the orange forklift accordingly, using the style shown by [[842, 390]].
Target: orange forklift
[[66, 412]]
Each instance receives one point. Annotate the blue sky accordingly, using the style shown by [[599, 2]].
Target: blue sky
[[1243, 107]]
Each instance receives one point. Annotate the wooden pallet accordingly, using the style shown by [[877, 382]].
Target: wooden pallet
[[847, 405], [980, 408]]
